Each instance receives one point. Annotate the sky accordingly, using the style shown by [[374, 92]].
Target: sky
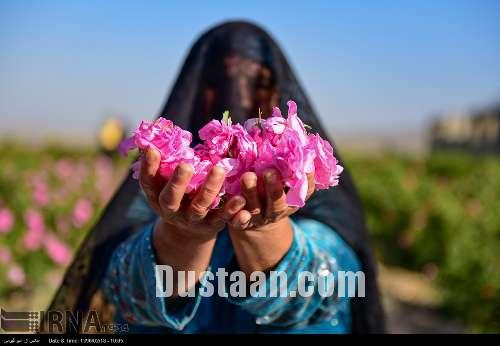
[[374, 67]]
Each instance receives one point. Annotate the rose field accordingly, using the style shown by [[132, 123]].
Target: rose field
[[436, 215]]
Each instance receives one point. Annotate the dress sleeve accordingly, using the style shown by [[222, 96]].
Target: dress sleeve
[[316, 248], [131, 286]]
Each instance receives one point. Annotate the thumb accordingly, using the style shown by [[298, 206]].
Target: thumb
[[149, 179]]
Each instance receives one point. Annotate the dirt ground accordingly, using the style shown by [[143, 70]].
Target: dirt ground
[[411, 304]]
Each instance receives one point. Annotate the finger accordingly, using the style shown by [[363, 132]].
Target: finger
[[231, 208], [171, 196], [311, 184], [291, 210], [276, 205], [204, 198], [250, 192], [148, 178], [241, 220]]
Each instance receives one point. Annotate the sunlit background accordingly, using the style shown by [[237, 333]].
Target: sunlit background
[[410, 92]]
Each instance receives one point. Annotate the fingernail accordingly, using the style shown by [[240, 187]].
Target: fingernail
[[245, 220], [250, 180], [150, 155], [182, 169], [240, 201], [218, 170], [270, 176]]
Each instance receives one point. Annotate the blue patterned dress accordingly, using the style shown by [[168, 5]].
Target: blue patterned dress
[[130, 286]]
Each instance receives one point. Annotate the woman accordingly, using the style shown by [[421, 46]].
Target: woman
[[234, 66]]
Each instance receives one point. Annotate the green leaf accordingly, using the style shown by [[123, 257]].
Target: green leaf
[[226, 118], [259, 123]]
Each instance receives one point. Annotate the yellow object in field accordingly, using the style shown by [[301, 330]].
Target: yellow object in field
[[111, 134]]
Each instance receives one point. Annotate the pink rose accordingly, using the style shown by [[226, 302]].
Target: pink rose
[[35, 229], [274, 142], [40, 194], [283, 146], [63, 169], [242, 155], [172, 142], [6, 220], [57, 250], [200, 171], [5, 255], [217, 137], [287, 156], [82, 212], [326, 167], [16, 275]]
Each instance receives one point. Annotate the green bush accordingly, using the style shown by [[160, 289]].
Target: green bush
[[440, 212]]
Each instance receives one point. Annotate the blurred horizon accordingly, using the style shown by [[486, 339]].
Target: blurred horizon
[[370, 70]]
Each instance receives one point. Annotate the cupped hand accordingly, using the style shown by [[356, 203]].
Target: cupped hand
[[192, 217], [269, 210]]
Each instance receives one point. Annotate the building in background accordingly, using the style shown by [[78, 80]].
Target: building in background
[[477, 131]]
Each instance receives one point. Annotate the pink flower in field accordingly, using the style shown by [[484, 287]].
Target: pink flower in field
[[57, 250], [34, 220], [63, 169], [16, 275], [82, 212], [77, 178], [40, 195], [5, 255], [33, 240], [103, 170], [6, 220], [104, 176], [35, 229]]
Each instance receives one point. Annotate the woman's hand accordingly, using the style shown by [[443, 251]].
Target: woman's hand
[[262, 233], [191, 217], [185, 234], [268, 211]]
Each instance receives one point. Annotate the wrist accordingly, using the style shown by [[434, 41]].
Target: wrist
[[279, 226], [262, 248], [166, 235], [171, 245]]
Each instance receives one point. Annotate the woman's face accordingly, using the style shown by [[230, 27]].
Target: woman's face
[[243, 86]]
